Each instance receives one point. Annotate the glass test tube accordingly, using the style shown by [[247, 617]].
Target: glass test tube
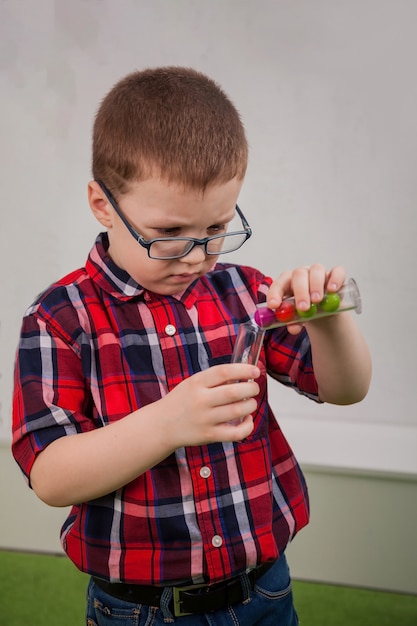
[[346, 299], [248, 343], [247, 346]]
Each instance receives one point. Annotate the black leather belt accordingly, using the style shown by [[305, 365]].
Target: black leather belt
[[189, 600]]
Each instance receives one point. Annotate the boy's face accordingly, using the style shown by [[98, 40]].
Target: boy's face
[[156, 208]]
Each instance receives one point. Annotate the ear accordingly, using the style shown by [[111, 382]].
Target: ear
[[99, 204]]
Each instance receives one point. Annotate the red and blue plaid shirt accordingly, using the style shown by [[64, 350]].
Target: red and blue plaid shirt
[[94, 347]]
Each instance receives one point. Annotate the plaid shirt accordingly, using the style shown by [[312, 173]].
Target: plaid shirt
[[96, 346]]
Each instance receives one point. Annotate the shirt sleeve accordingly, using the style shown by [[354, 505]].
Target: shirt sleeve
[[50, 399], [289, 360]]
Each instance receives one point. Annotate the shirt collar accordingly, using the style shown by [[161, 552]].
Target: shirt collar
[[119, 284]]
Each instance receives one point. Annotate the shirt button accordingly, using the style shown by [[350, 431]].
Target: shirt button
[[205, 472], [170, 329], [217, 541]]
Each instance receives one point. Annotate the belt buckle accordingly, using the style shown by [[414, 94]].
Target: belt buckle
[[176, 591]]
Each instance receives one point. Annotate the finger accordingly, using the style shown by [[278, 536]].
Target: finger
[[336, 278], [317, 280], [234, 393], [228, 373], [301, 288], [295, 329], [237, 431], [232, 413], [279, 289]]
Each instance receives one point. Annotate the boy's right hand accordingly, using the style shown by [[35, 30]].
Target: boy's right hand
[[199, 409]]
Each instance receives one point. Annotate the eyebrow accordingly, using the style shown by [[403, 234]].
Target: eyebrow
[[170, 222]]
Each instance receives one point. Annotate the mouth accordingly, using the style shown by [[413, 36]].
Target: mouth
[[185, 278]]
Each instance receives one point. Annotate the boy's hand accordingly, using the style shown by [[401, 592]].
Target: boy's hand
[[307, 284], [200, 408]]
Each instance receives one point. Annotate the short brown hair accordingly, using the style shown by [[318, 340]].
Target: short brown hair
[[170, 121]]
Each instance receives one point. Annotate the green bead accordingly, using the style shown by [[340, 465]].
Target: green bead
[[309, 313], [330, 302]]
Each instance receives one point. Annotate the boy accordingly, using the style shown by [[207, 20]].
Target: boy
[[126, 402]]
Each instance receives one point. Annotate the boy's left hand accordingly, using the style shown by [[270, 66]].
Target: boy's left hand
[[307, 284]]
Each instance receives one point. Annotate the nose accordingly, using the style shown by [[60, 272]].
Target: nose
[[196, 255]]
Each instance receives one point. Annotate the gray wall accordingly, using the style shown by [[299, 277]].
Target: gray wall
[[328, 96]]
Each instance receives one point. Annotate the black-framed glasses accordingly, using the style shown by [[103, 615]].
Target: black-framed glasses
[[166, 248]]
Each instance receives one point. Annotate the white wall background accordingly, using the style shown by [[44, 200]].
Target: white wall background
[[328, 93]]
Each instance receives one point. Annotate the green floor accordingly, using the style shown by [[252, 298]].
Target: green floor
[[43, 590]]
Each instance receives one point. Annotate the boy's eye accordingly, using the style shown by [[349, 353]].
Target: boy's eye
[[168, 232], [217, 229]]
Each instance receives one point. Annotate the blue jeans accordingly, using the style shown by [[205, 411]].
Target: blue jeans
[[270, 603]]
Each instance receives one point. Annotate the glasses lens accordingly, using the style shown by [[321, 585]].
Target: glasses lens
[[228, 243], [170, 248]]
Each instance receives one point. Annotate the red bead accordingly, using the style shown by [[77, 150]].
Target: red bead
[[286, 312]]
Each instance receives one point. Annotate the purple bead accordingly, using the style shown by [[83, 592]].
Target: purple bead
[[264, 317]]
